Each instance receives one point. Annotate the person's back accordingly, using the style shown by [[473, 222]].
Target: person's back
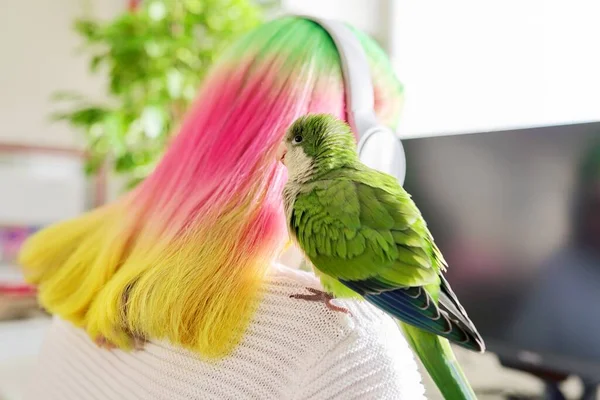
[[184, 260], [293, 349]]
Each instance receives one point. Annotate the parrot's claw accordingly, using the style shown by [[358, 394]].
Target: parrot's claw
[[318, 295]]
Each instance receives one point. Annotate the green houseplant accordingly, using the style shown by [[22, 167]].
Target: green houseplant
[[155, 56]]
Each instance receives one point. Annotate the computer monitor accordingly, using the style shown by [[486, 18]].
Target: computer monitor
[[517, 216]]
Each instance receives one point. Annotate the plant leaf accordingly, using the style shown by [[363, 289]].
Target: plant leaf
[[153, 61]]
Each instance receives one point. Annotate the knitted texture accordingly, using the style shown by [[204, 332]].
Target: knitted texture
[[293, 349]]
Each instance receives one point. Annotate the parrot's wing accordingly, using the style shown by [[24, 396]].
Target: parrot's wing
[[416, 306], [363, 229]]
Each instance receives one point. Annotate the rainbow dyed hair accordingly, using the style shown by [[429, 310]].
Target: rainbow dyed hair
[[183, 257]]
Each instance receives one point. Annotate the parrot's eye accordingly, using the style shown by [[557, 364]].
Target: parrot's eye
[[297, 139]]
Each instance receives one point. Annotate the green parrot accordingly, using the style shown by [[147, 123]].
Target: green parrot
[[366, 238]]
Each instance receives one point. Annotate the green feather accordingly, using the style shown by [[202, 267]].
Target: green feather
[[372, 237]]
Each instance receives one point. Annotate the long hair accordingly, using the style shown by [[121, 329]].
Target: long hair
[[183, 256]]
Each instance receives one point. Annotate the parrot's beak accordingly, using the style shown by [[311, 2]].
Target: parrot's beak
[[281, 150]]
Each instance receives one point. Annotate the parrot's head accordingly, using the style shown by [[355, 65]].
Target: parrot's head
[[316, 143]]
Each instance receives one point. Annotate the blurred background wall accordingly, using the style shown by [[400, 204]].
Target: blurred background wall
[[38, 58]]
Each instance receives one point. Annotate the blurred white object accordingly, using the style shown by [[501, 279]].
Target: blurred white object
[[384, 152], [20, 343], [39, 188], [21, 339]]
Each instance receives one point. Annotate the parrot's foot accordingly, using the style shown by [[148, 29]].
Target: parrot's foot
[[318, 295], [102, 342]]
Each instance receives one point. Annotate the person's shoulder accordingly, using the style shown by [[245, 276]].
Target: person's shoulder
[[362, 353], [362, 319]]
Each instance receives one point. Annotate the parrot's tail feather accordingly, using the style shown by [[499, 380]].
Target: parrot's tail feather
[[449, 302], [436, 355], [415, 306]]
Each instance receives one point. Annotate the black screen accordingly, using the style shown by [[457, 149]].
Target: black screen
[[517, 216]]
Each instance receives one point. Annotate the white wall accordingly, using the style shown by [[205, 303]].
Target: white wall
[[472, 65], [38, 57], [367, 15]]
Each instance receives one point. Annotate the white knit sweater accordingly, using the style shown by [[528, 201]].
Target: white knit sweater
[[293, 349]]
